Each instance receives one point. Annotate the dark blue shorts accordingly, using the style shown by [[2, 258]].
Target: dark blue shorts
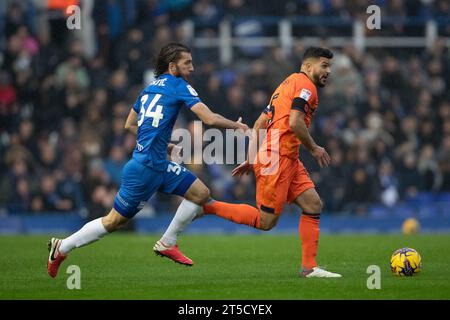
[[140, 182]]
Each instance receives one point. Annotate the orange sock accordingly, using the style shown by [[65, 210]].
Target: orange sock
[[239, 213], [309, 235]]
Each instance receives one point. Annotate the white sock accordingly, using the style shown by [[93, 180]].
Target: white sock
[[91, 232], [184, 215]]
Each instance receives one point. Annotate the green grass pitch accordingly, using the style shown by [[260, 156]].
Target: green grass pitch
[[261, 266]]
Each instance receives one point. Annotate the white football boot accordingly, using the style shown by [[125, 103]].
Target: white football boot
[[317, 272]]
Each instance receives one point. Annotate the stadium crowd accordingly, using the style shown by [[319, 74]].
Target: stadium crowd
[[384, 117]]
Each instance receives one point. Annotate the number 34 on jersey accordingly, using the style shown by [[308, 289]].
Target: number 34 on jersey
[[152, 110]]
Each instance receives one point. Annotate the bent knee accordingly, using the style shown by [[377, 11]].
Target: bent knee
[[266, 227], [318, 205], [114, 222], [314, 206], [204, 195], [112, 226], [267, 224], [201, 196]]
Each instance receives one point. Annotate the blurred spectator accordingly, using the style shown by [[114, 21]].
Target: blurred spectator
[[16, 186], [151, 13], [444, 162], [15, 18], [257, 77], [21, 199], [48, 198], [8, 97], [442, 10], [206, 11], [178, 9], [406, 138], [389, 184], [334, 192], [95, 176], [430, 173], [279, 65], [47, 156], [130, 56], [101, 200], [118, 86], [408, 176], [213, 93], [115, 162], [360, 192], [258, 101], [391, 76], [236, 102], [28, 43], [98, 72], [72, 72]]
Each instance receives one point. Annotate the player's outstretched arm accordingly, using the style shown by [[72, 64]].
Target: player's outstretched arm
[[246, 166], [297, 124], [260, 124], [216, 120], [131, 123]]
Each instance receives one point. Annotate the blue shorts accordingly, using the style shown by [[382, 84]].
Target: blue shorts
[[140, 182]]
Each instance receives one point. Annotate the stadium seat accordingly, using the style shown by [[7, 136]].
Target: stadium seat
[[379, 212], [404, 211]]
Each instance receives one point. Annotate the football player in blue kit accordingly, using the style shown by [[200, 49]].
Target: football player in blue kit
[[152, 119]]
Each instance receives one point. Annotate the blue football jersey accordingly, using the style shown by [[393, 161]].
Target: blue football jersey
[[158, 106]]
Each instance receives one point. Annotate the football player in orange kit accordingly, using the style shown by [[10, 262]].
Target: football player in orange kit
[[286, 119]]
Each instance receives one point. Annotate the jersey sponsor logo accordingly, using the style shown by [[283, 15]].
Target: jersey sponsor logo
[[139, 146], [305, 94], [192, 91]]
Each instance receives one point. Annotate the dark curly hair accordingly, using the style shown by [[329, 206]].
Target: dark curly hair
[[169, 53]]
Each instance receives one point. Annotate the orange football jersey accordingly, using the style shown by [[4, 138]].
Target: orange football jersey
[[297, 85]]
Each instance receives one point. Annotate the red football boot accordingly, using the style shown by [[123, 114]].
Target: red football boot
[[172, 253], [55, 258]]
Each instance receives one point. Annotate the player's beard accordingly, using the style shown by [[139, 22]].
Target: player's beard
[[179, 74], [317, 80]]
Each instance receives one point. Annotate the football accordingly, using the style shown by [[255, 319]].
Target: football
[[410, 226], [406, 262]]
